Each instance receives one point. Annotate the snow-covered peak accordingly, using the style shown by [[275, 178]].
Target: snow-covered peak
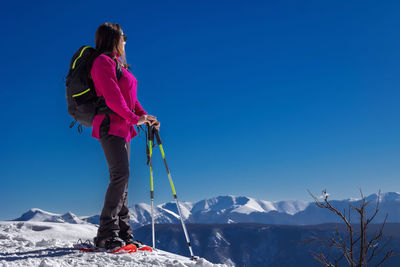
[[170, 207], [140, 207], [69, 217], [140, 212], [251, 205], [38, 215], [267, 206], [247, 205], [388, 196], [291, 206], [219, 203]]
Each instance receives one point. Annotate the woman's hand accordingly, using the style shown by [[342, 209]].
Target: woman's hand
[[149, 120], [156, 124], [145, 119]]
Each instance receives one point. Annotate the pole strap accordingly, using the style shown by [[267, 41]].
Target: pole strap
[[149, 137], [147, 148]]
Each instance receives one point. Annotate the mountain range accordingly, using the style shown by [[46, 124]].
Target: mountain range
[[237, 209], [243, 231]]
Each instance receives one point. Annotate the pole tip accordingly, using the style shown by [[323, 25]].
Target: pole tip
[[194, 258]]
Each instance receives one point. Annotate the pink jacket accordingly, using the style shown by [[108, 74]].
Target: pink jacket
[[120, 96]]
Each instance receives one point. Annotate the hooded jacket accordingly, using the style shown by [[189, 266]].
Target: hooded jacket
[[120, 96]]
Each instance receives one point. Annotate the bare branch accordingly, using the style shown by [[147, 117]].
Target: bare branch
[[352, 241], [327, 205], [376, 208], [387, 256]]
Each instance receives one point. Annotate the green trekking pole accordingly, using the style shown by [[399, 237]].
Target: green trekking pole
[[150, 135], [157, 134]]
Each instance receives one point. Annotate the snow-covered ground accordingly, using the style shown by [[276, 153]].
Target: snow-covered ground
[[48, 244]]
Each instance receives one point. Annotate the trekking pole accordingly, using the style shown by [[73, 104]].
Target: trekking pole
[[157, 134], [150, 135]]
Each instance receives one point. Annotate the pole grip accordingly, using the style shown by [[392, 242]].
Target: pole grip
[[157, 134]]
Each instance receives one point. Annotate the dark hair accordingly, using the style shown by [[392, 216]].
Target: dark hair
[[108, 37]]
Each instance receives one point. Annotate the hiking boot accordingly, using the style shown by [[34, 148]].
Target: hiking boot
[[97, 242], [110, 243], [114, 243], [128, 239], [138, 243]]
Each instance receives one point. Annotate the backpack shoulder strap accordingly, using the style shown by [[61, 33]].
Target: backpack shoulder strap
[[118, 70]]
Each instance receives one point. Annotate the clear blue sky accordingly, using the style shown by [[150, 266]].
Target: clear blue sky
[[257, 98]]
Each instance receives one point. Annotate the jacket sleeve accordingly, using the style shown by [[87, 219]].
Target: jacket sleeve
[[139, 110], [106, 84]]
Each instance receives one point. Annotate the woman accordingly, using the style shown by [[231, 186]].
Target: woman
[[115, 130]]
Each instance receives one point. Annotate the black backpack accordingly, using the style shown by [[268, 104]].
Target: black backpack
[[83, 102]]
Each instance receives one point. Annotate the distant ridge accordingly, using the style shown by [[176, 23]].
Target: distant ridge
[[235, 209], [38, 215]]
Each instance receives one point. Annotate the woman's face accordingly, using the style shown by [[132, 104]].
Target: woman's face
[[122, 43]]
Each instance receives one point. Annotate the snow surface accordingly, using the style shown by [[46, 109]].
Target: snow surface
[[49, 244]]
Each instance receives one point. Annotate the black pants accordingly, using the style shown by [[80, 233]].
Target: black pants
[[114, 218]]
